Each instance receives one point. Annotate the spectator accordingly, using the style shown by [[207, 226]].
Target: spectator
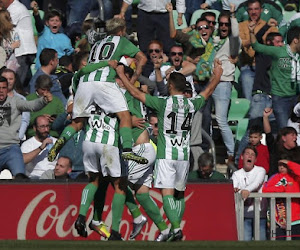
[[226, 4], [49, 34], [247, 62], [9, 40], [246, 180], [49, 62], [35, 150], [153, 23], [263, 158], [211, 19], [287, 180], [206, 169], [21, 18], [11, 77], [162, 70], [285, 76], [11, 109], [63, 168], [294, 121], [285, 145], [51, 110]]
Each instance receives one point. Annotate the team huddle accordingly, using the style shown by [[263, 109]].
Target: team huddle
[[118, 150]]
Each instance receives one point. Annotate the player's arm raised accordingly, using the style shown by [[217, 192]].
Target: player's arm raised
[[141, 60], [135, 92]]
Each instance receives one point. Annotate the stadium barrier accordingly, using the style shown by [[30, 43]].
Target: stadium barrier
[[239, 207], [39, 210]]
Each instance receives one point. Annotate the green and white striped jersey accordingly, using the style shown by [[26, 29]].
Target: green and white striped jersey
[[175, 115], [137, 109], [109, 48], [102, 128]]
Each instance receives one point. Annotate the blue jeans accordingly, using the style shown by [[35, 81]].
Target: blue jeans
[[191, 6], [77, 10], [249, 229], [12, 158], [282, 107], [221, 97], [247, 79]]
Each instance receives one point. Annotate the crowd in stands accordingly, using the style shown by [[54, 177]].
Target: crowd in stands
[[36, 99]]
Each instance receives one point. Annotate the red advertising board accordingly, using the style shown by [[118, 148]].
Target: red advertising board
[[47, 211]]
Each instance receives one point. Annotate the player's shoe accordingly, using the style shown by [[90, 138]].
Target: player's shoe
[[130, 156], [162, 237], [53, 152], [80, 226], [115, 236], [175, 236], [100, 229], [137, 227]]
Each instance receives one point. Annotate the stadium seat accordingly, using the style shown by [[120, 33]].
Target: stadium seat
[[241, 129], [198, 13], [238, 110], [184, 24]]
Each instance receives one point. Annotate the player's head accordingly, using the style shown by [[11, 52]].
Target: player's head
[[176, 82], [206, 165], [128, 73], [274, 39], [53, 20], [116, 26], [255, 135]]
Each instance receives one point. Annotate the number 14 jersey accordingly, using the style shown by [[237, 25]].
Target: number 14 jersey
[[175, 115]]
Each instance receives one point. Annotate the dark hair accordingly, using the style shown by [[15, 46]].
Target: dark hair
[[53, 13], [254, 1], [178, 80], [18, 85], [293, 33], [43, 81], [3, 79], [270, 37], [47, 55], [255, 129], [206, 159], [208, 13], [129, 71], [250, 147], [201, 19], [78, 58], [65, 61]]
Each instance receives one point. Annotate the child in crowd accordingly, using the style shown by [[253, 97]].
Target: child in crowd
[[263, 159], [287, 181], [50, 35]]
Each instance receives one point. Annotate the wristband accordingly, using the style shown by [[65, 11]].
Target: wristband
[[41, 148]]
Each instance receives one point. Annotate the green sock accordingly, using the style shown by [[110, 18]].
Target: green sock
[[170, 210], [131, 204], [87, 197], [180, 206], [117, 208], [99, 200], [152, 210], [68, 132], [126, 137]]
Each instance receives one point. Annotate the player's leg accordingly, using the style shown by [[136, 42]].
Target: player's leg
[[97, 224], [152, 210], [68, 132], [126, 138], [117, 207]]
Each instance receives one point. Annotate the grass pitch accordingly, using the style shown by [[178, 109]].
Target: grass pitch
[[145, 245]]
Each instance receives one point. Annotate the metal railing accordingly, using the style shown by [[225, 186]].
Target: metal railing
[[239, 207]]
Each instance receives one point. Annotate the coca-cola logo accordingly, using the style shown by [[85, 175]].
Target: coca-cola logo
[[53, 219]]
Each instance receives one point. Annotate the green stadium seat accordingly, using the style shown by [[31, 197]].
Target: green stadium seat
[[238, 110], [184, 24], [198, 13], [241, 129]]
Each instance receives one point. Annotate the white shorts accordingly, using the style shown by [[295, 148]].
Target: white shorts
[[106, 95], [101, 157], [142, 173], [171, 174]]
